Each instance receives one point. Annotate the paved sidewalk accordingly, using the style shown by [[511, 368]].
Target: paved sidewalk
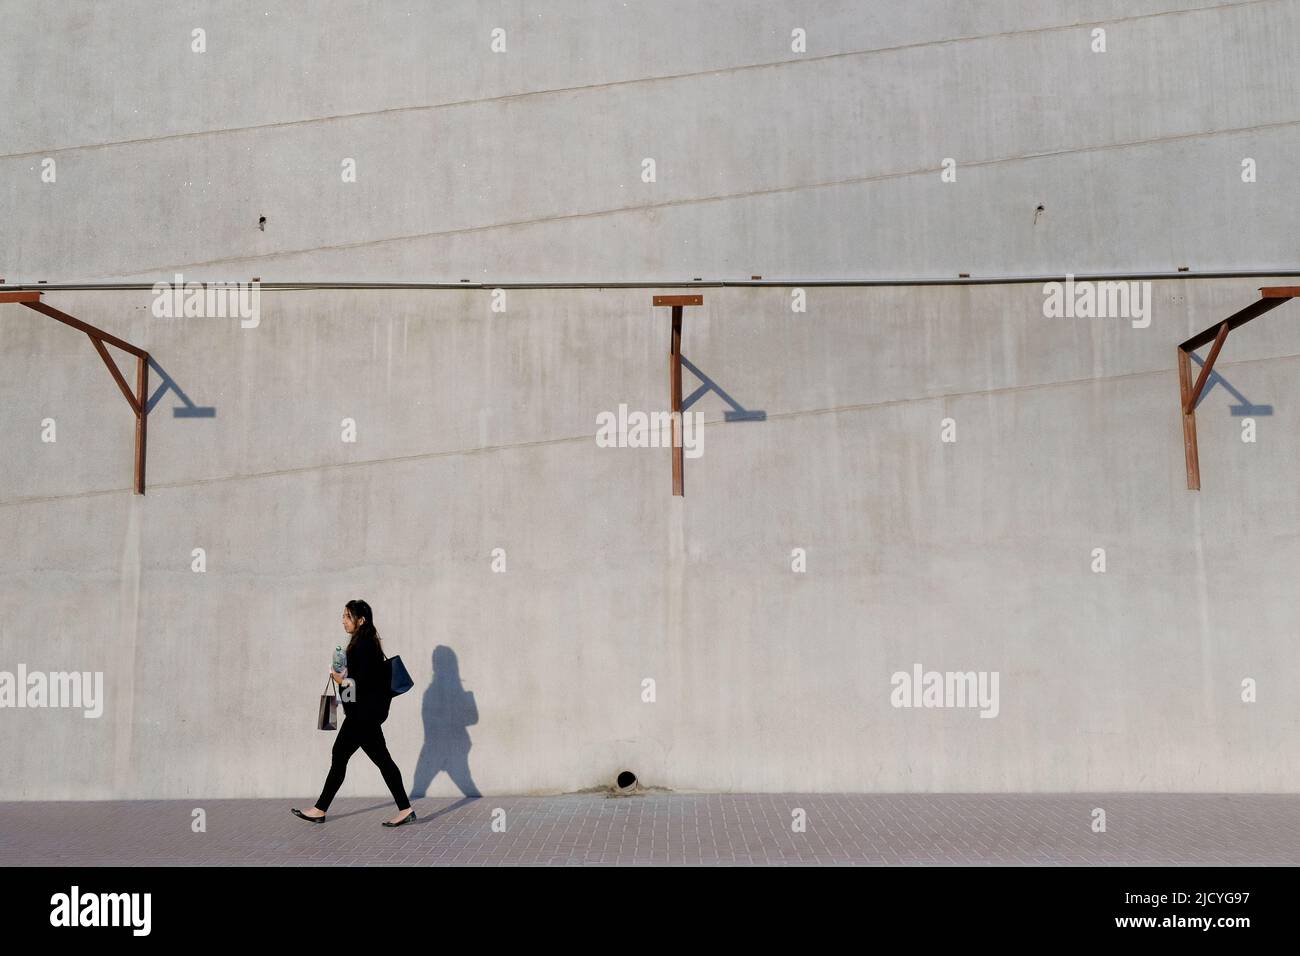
[[666, 828]]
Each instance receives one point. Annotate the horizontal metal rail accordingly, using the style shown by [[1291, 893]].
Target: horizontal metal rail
[[693, 283]]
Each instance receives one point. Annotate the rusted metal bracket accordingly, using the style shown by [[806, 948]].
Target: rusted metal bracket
[[1188, 393], [98, 337], [675, 379]]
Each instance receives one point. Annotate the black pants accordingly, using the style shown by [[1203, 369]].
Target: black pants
[[357, 731]]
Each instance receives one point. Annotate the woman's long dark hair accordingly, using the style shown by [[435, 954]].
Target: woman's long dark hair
[[358, 610]]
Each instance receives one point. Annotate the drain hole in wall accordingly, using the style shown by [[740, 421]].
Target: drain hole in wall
[[626, 781]]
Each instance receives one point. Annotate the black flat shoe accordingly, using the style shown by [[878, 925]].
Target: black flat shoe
[[299, 813], [402, 822]]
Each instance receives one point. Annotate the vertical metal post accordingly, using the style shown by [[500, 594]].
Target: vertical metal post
[[141, 418], [676, 302], [1189, 420], [675, 399]]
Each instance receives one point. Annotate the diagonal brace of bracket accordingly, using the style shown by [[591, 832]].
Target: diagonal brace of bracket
[[1189, 393]]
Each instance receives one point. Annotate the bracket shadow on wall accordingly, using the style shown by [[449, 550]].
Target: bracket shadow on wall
[[675, 362], [1270, 297], [98, 338], [168, 384]]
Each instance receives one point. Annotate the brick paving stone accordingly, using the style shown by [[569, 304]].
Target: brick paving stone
[[671, 829]]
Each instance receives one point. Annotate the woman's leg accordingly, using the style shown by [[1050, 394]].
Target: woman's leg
[[376, 749], [345, 745]]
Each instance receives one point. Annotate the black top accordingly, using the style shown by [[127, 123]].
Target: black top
[[373, 689]]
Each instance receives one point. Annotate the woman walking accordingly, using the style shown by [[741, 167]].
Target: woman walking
[[363, 716]]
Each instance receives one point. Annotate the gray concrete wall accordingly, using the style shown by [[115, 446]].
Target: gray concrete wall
[[526, 164], [476, 429]]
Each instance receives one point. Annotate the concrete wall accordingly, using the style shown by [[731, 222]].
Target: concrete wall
[[527, 164], [476, 429]]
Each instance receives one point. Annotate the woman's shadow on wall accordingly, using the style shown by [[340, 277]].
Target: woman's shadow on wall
[[447, 711]]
